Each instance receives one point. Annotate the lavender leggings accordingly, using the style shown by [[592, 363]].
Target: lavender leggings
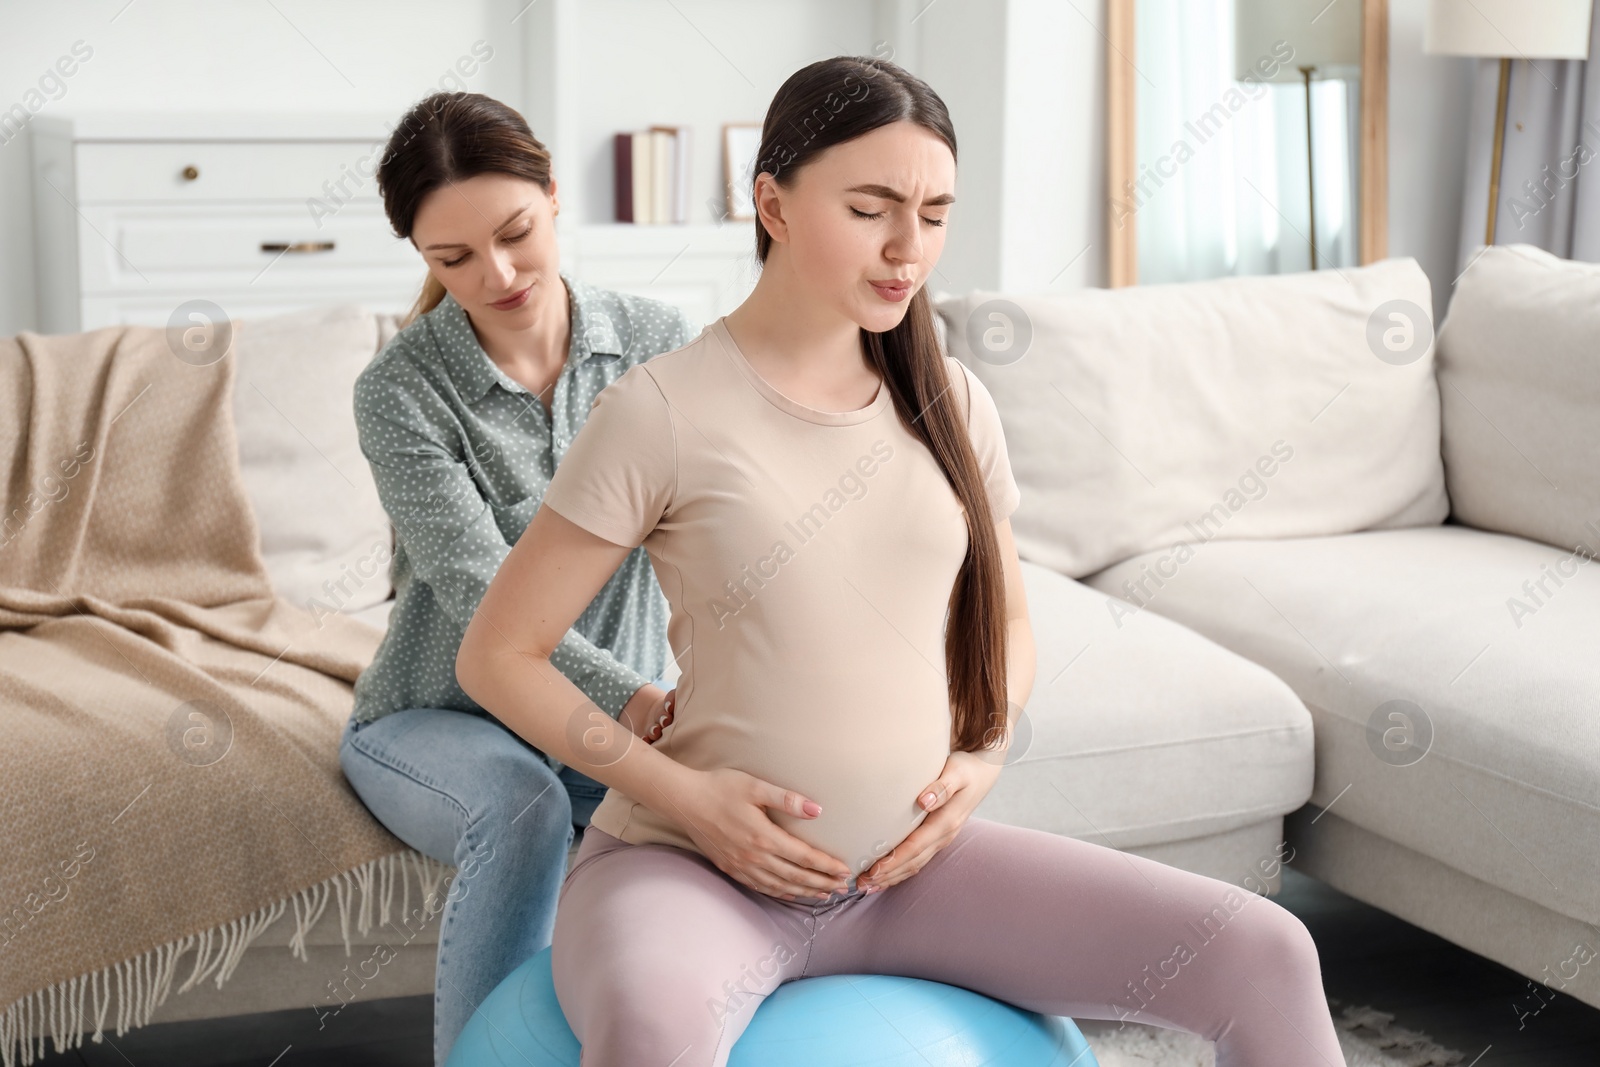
[[659, 957]]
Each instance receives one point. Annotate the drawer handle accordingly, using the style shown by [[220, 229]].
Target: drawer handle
[[191, 172], [297, 246]]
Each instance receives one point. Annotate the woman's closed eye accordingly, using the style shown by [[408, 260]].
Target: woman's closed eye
[[879, 215], [513, 239]]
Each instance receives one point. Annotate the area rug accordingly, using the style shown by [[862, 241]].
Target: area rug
[[1368, 1037]]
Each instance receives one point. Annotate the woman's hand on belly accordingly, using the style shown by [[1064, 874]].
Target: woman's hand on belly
[[966, 779], [724, 812]]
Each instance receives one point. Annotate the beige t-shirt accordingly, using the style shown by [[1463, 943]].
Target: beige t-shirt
[[808, 558]]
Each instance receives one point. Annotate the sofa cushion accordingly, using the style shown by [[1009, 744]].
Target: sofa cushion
[[1147, 733], [1519, 378], [1140, 417], [324, 533], [1451, 674]]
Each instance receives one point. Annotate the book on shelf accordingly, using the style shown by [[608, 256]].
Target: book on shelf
[[652, 174]]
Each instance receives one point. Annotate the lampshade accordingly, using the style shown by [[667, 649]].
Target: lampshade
[[1315, 33], [1518, 29]]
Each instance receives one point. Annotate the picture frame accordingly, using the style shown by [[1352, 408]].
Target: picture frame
[[740, 143]]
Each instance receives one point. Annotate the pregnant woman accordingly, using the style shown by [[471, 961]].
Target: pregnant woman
[[825, 498], [464, 416]]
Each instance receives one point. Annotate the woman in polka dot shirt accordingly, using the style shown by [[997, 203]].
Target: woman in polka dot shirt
[[464, 416]]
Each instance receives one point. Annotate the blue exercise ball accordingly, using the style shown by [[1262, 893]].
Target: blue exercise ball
[[839, 1020]]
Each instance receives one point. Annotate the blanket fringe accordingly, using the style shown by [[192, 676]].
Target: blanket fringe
[[140, 985]]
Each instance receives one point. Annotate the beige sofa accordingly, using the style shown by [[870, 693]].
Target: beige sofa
[[1189, 731], [1398, 530], [1127, 731]]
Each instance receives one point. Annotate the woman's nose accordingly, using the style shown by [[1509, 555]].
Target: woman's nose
[[502, 270], [905, 245]]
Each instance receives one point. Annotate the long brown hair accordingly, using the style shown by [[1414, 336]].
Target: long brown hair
[[824, 104], [449, 137]]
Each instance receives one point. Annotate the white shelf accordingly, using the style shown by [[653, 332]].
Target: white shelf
[[138, 214], [122, 236]]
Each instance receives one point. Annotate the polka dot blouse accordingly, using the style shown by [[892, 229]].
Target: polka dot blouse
[[462, 454]]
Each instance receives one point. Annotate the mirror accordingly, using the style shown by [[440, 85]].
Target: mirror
[[1245, 137]]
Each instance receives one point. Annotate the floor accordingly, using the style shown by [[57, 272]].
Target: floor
[[1369, 957], [1459, 999]]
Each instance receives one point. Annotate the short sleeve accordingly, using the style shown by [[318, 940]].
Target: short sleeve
[[620, 472], [989, 443]]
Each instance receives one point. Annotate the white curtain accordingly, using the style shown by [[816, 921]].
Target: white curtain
[[1550, 169], [1222, 164]]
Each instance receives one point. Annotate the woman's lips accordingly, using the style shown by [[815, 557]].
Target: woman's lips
[[892, 292], [515, 300]]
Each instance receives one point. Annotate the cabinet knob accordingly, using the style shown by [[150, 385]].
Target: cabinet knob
[[191, 172], [297, 246]]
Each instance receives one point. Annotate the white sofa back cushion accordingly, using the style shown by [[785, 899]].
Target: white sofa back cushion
[[1519, 376], [324, 533], [1242, 407]]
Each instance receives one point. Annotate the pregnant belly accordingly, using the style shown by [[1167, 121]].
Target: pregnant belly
[[868, 790]]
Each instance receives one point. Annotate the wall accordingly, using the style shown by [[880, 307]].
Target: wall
[[1024, 80]]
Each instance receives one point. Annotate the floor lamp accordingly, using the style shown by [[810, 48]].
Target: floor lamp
[[1320, 40], [1506, 30]]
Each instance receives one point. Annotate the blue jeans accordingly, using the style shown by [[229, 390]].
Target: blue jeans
[[467, 791]]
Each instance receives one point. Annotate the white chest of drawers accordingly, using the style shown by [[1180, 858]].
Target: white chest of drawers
[[135, 215]]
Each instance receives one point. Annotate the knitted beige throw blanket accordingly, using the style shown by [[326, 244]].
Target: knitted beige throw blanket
[[169, 774]]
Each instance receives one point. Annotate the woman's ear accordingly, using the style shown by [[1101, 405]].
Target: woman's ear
[[769, 207]]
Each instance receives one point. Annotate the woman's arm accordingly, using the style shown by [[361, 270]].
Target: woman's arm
[[1021, 655], [550, 575]]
